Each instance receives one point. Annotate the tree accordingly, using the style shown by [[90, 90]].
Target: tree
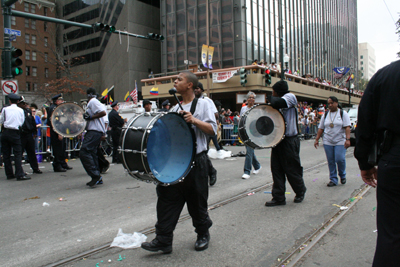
[[398, 32], [362, 82]]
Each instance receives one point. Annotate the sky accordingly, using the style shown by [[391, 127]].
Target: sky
[[376, 26]]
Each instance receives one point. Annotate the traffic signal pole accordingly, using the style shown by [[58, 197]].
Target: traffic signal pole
[[7, 43]]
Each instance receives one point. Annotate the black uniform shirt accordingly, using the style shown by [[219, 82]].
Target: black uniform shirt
[[115, 120], [378, 111], [49, 113]]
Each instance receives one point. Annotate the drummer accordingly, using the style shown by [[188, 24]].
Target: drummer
[[193, 190], [285, 158]]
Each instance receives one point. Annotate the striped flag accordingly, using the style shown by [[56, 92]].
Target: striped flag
[[126, 97], [154, 91], [134, 94]]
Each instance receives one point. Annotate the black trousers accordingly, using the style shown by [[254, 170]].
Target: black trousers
[[28, 144], [88, 153], [285, 163], [388, 209], [11, 142], [194, 192], [115, 134], [58, 147], [103, 162]]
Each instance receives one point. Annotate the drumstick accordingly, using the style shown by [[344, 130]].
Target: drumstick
[[172, 91]]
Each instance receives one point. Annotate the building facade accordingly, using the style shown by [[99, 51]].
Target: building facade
[[318, 35], [108, 58], [37, 42], [366, 61]]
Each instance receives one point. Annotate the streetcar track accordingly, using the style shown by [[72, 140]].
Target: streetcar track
[[183, 217]]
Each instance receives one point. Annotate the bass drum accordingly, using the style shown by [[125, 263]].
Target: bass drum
[[158, 147], [67, 120], [262, 126]]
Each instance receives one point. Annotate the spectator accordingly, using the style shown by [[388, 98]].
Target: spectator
[[256, 64]]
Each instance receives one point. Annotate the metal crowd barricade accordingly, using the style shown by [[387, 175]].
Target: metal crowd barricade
[[227, 134]]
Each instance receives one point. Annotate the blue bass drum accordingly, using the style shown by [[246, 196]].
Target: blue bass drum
[[158, 147]]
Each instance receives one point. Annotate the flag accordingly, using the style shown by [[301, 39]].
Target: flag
[[341, 70], [111, 100], [126, 97], [351, 77], [105, 93], [134, 94], [154, 91]]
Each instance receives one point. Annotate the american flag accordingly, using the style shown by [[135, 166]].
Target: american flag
[[134, 94]]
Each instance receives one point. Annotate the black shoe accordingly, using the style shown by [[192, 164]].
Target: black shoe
[[274, 203], [94, 182], [343, 181], [37, 171], [156, 245], [330, 184], [300, 197], [100, 181], [59, 170], [213, 178], [202, 242], [66, 167], [11, 177], [23, 178]]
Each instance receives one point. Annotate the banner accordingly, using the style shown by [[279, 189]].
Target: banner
[[221, 77], [204, 52], [210, 56]]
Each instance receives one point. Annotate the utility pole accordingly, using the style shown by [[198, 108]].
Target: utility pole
[[281, 38]]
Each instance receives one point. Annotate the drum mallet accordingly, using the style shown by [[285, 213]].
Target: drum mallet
[[173, 92]]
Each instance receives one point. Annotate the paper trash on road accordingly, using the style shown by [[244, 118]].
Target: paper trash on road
[[220, 154], [128, 240], [45, 204]]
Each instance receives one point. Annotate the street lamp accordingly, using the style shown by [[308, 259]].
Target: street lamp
[[286, 59]]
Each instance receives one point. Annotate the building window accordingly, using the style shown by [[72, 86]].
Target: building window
[[35, 86], [361, 57], [33, 8], [28, 70], [362, 68], [46, 57], [13, 20], [46, 73], [34, 39], [45, 26], [28, 86], [27, 54], [27, 37], [33, 24], [362, 63], [34, 71], [45, 11], [26, 7], [34, 55], [26, 23], [46, 41]]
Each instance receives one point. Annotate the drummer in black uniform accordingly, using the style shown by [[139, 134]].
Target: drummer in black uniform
[[115, 122], [285, 157], [56, 140], [11, 120]]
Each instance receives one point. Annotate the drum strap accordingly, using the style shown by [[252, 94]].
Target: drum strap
[[194, 104]]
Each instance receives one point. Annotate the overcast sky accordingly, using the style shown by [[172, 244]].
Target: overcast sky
[[376, 27]]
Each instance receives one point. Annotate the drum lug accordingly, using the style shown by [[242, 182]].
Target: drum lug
[[137, 128], [141, 173]]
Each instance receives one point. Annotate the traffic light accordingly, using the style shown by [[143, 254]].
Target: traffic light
[[243, 76], [267, 77], [155, 36], [103, 27], [16, 61]]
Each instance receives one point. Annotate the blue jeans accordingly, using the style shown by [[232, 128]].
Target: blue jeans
[[336, 155], [251, 160]]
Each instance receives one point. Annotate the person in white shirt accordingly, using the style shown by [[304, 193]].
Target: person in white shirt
[[11, 120]]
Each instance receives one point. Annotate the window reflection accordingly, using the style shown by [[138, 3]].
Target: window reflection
[[191, 18], [215, 14], [215, 35], [227, 33], [180, 22], [227, 12]]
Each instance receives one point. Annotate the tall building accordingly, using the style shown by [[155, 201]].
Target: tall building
[[366, 60], [37, 42], [112, 59], [318, 35]]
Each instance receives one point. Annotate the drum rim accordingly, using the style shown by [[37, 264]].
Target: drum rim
[[248, 141], [56, 130]]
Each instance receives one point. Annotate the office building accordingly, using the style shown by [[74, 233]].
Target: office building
[[366, 60]]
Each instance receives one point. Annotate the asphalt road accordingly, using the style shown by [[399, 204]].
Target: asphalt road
[[245, 232]]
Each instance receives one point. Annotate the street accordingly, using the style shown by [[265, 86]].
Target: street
[[244, 233]]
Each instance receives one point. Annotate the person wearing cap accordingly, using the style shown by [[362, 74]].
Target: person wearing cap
[[212, 172], [165, 106], [56, 140], [11, 120], [116, 123], [285, 157], [147, 105], [27, 130], [95, 130]]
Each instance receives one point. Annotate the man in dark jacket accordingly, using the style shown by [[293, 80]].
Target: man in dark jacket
[[115, 122]]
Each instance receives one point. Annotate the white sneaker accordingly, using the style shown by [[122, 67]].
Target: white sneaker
[[257, 171], [245, 176]]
